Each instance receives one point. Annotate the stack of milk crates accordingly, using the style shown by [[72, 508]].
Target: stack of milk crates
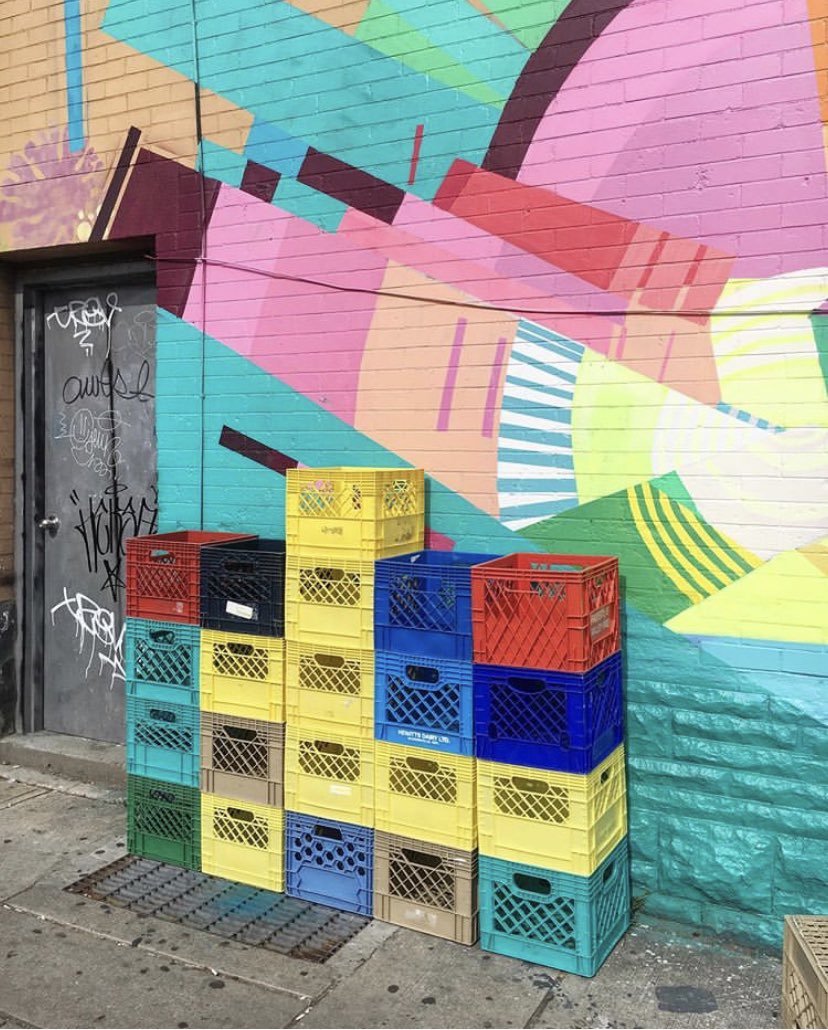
[[339, 521], [551, 789], [425, 845], [205, 703]]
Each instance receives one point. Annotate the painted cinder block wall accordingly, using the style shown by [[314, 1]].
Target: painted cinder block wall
[[570, 257]]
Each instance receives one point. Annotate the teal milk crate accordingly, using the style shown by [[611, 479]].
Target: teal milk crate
[[559, 920], [163, 741], [162, 661]]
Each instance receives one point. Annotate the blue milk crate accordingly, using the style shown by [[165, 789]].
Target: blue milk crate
[[556, 919], [162, 661], [424, 702], [566, 721], [163, 741], [422, 603], [329, 862]]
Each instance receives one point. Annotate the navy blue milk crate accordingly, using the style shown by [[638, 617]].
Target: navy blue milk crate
[[566, 721], [422, 603], [243, 587], [329, 862], [556, 919], [162, 661], [424, 702]]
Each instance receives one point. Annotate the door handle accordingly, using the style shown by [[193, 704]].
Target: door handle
[[51, 524]]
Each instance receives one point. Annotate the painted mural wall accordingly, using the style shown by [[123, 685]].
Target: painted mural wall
[[569, 256]]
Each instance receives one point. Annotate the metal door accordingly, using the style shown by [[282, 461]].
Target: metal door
[[97, 489]]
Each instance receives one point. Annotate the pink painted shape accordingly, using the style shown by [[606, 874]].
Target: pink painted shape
[[494, 387], [311, 337], [243, 231], [451, 376], [435, 541], [451, 264], [693, 136]]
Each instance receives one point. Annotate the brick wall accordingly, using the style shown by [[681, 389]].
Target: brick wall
[[567, 256]]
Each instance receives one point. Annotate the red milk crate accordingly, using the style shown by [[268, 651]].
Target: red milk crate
[[164, 574], [545, 611]]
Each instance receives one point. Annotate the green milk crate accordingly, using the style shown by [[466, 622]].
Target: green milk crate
[[164, 821]]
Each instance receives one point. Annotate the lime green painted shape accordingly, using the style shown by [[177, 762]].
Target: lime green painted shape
[[529, 22], [785, 599], [819, 325], [615, 417], [384, 30], [606, 526]]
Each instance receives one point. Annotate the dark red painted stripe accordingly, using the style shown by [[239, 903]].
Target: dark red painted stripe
[[256, 451], [118, 177], [353, 186], [259, 181], [544, 74]]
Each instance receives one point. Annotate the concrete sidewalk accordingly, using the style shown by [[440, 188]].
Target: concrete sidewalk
[[66, 961]]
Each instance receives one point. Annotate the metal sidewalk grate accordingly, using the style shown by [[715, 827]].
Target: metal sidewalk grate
[[250, 915]]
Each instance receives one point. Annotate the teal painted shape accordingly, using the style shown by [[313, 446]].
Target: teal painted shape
[[323, 211], [316, 83], [227, 166], [220, 163], [819, 326], [491, 55]]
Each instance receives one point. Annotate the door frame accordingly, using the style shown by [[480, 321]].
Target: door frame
[[30, 285]]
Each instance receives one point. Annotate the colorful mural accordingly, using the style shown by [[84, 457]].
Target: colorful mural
[[570, 257]]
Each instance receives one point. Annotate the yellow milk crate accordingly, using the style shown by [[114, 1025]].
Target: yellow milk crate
[[329, 600], [561, 821], [363, 513], [427, 795], [327, 688], [330, 775], [243, 842], [243, 675]]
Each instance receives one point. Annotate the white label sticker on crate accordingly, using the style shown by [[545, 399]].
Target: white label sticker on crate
[[599, 622], [336, 788], [243, 611]]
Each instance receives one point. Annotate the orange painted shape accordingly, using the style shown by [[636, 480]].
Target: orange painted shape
[[401, 409]]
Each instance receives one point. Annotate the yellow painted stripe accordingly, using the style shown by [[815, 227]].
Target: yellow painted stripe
[[682, 560], [730, 545], [658, 556], [702, 556]]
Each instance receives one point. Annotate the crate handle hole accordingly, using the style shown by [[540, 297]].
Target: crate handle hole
[[240, 566], [242, 815], [160, 555], [605, 775], [532, 884], [609, 872], [236, 648], [329, 747], [422, 858], [162, 636], [328, 575], [526, 686], [422, 674], [422, 765], [239, 733], [330, 661], [162, 715], [531, 786], [330, 832]]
